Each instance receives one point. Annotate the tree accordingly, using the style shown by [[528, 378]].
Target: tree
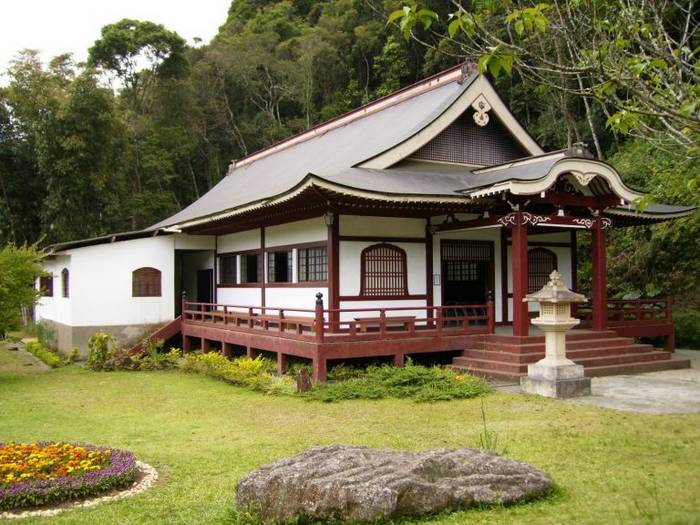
[[637, 60], [20, 267]]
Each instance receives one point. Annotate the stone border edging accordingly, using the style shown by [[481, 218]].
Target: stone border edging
[[149, 478]]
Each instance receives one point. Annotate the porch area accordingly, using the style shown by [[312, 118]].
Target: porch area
[[321, 335]]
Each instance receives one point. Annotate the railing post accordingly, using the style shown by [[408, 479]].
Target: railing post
[[491, 321], [250, 318], [319, 321], [225, 314], [382, 321], [438, 318], [183, 306]]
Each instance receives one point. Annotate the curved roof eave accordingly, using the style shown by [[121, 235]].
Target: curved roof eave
[[315, 181], [576, 166]]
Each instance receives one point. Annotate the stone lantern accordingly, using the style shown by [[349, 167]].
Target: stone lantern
[[555, 375]]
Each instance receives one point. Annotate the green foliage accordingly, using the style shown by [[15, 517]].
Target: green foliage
[[105, 354], [687, 328], [256, 374], [47, 356], [20, 267], [420, 383]]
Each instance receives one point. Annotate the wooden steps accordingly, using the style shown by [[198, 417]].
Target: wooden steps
[[601, 353]]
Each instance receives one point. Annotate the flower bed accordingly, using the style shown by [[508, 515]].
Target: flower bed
[[47, 473]]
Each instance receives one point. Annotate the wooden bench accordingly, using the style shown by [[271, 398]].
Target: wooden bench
[[405, 321]]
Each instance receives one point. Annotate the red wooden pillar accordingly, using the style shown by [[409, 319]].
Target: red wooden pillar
[[319, 368], [204, 345], [599, 285], [521, 317], [281, 363], [186, 344], [333, 249]]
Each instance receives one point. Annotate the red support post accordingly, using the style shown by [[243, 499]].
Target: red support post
[[281, 363], [319, 369], [399, 360], [521, 317], [599, 286], [226, 349], [670, 340], [185, 343], [490, 313], [382, 321], [205, 345], [319, 321], [333, 250]]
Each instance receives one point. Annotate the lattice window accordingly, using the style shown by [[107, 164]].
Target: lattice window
[[462, 271], [540, 263], [313, 264], [46, 285], [279, 267], [65, 284], [227, 269], [383, 269], [472, 251], [465, 142], [249, 268], [145, 282]]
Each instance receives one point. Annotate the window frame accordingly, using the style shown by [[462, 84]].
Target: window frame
[[271, 260], [220, 265], [65, 283], [382, 291], [243, 277], [305, 278], [46, 285], [143, 282]]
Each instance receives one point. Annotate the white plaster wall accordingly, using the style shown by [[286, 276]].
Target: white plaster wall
[[418, 313], [240, 296], [304, 298], [381, 226], [310, 230], [350, 266], [184, 241], [57, 308], [241, 241], [100, 282], [487, 234]]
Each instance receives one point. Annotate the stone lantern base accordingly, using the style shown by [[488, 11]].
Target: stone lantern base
[[556, 380]]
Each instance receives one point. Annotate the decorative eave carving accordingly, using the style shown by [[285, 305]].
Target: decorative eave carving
[[525, 218], [481, 108]]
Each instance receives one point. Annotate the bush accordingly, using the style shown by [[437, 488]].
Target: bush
[[421, 383], [104, 354], [256, 374], [43, 353], [687, 328]]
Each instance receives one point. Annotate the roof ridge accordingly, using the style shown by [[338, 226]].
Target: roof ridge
[[456, 73]]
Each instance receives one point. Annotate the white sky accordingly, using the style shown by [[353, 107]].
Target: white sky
[[60, 26]]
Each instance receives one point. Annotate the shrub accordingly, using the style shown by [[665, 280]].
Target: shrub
[[256, 374], [43, 353], [687, 328], [105, 354], [57, 472], [421, 383]]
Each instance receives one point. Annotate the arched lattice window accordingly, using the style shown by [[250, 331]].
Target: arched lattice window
[[65, 284], [145, 282], [540, 263], [383, 271]]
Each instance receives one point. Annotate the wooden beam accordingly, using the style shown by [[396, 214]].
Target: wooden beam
[[334, 270], [428, 267]]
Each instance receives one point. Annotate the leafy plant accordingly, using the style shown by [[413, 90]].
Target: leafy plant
[[101, 350], [488, 438], [421, 383], [20, 267], [687, 324], [47, 356], [105, 354]]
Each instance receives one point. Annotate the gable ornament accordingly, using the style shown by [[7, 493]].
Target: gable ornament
[[481, 108], [584, 178]]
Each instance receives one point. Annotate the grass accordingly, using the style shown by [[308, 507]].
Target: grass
[[204, 435]]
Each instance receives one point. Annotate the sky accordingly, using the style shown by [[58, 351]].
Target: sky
[[60, 26]]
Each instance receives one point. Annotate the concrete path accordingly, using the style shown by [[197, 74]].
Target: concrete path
[[669, 392]]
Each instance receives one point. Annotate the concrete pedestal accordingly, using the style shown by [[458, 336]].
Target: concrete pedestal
[[560, 380]]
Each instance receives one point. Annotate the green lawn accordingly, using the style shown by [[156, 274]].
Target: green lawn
[[203, 435]]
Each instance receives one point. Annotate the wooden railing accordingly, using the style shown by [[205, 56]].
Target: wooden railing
[[345, 324], [633, 312]]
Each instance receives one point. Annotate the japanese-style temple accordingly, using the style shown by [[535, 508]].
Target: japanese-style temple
[[414, 224]]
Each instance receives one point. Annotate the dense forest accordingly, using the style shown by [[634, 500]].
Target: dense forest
[[150, 122]]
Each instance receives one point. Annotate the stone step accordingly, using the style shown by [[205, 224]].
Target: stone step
[[531, 357], [570, 345], [574, 335], [673, 363]]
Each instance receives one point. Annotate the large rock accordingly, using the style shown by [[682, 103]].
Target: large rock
[[357, 483]]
